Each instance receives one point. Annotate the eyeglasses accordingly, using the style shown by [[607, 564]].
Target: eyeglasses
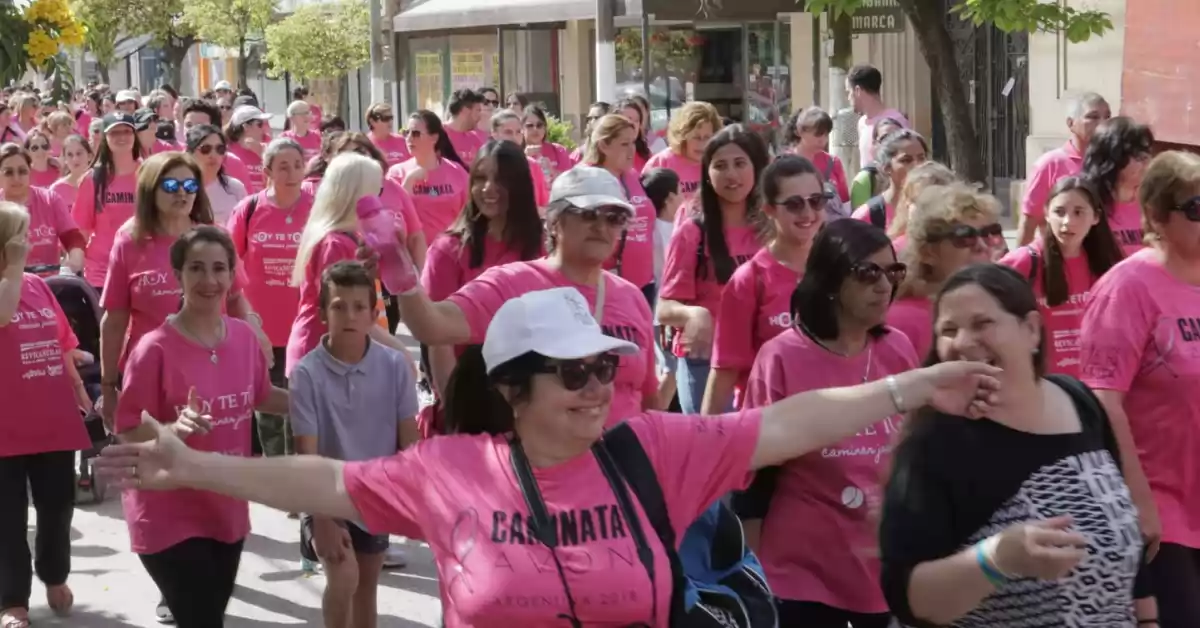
[[385, 118], [255, 123], [870, 272], [491, 103], [413, 133], [173, 186], [1190, 209], [966, 236], [37, 148], [207, 149], [535, 125], [796, 204], [575, 374], [15, 172], [226, 107], [614, 216]]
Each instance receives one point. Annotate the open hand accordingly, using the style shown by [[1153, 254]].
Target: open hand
[[1046, 549], [331, 541], [156, 464], [959, 387]]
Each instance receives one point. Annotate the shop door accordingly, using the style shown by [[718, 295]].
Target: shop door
[[721, 79], [768, 82]]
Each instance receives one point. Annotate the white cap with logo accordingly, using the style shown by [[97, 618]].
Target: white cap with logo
[[588, 187], [556, 323], [246, 113], [127, 95]]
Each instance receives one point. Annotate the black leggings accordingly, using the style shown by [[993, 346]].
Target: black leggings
[[1175, 572], [51, 480], [196, 578], [816, 615]]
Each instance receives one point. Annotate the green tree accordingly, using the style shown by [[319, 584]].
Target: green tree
[[929, 22], [163, 21], [106, 25], [343, 30], [231, 24]]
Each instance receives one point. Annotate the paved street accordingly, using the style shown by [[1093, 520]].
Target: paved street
[[112, 589]]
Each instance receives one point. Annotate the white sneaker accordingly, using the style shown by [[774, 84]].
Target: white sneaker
[[309, 567], [163, 614], [395, 558]]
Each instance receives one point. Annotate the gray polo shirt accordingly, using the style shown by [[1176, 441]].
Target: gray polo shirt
[[354, 410]]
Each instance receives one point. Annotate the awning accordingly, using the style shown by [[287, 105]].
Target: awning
[[433, 15], [126, 47]]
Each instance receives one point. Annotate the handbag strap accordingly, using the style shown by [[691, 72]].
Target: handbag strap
[[617, 483]]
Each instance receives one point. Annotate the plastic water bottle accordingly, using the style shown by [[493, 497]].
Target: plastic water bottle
[[378, 225]]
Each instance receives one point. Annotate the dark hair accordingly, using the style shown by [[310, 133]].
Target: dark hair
[[483, 90], [168, 88], [147, 221], [299, 92], [524, 102], [156, 100], [711, 221], [837, 248], [330, 124], [1099, 245], [810, 118], [540, 114], [346, 274], [659, 183], [196, 136], [337, 143], [866, 77], [443, 147], [640, 145], [522, 223], [104, 170], [13, 149], [473, 405], [463, 98], [201, 234], [245, 96], [889, 146], [206, 108], [165, 130], [785, 167], [1116, 142]]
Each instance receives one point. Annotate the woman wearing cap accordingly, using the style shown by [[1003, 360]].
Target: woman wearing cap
[[546, 375], [106, 198], [145, 123], [51, 228], [127, 101], [245, 133], [299, 128]]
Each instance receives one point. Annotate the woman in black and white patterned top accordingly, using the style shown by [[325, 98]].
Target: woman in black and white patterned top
[[1019, 519]]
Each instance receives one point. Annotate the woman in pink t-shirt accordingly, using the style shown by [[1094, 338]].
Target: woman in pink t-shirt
[[40, 429], [534, 407], [632, 111], [51, 228], [1076, 249], [1140, 333], [552, 159], [949, 227], [705, 251], [43, 167], [897, 153], [76, 162], [612, 149], [207, 146], [198, 359], [915, 182], [1115, 163], [823, 577], [105, 201], [756, 303], [246, 134], [807, 135], [595, 112], [300, 129], [691, 129], [380, 120], [434, 177]]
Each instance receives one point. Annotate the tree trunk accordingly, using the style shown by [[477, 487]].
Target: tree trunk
[[343, 96], [928, 20], [102, 70], [243, 63], [174, 52]]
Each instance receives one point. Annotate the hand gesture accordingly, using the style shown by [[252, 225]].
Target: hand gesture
[[192, 420], [1045, 549], [16, 252], [960, 387], [698, 333], [331, 541], [157, 464]]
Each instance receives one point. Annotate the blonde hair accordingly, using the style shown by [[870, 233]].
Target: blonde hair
[[688, 119], [58, 119], [1171, 178], [350, 176], [14, 222], [919, 178], [606, 130], [934, 212]]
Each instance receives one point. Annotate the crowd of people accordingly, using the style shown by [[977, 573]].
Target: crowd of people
[[907, 422]]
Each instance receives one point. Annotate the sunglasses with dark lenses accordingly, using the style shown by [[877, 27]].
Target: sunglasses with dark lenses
[[15, 172], [385, 118], [491, 103], [870, 272], [207, 149], [1190, 209], [966, 236], [172, 186], [796, 204], [574, 374], [413, 133], [37, 148], [614, 216], [535, 125]]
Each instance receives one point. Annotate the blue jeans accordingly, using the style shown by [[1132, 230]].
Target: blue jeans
[[691, 378]]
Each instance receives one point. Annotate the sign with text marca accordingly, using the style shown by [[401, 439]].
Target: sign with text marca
[[877, 16]]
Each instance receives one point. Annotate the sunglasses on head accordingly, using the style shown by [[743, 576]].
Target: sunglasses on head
[[207, 149], [966, 236], [614, 216], [574, 374], [796, 204], [15, 172], [172, 186], [870, 272], [1190, 209]]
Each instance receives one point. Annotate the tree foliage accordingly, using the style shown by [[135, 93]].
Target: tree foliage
[[321, 40], [231, 24], [106, 21], [163, 21]]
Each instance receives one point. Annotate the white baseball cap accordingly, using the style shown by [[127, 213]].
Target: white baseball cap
[[222, 86], [127, 95], [555, 323], [246, 113], [588, 187]]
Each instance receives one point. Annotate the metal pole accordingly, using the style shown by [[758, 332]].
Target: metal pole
[[500, 60], [646, 69], [377, 87], [606, 54]]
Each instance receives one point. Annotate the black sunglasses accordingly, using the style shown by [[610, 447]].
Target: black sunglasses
[[616, 217], [1190, 209], [385, 118], [413, 133], [870, 272], [796, 204], [966, 236], [535, 125], [207, 149], [574, 374], [491, 102]]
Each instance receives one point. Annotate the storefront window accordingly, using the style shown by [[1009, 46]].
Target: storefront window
[[531, 65], [429, 66], [673, 67], [768, 84]]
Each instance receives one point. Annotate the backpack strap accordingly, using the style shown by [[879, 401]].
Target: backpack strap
[[1091, 412], [250, 207], [619, 488], [1035, 266], [701, 257], [878, 211]]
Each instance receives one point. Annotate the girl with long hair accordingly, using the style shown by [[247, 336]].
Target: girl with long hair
[[807, 135], [58, 126], [76, 161], [870, 180], [51, 228], [689, 133], [105, 200], [435, 177], [705, 251], [43, 167], [246, 133], [897, 153], [1114, 164], [207, 146], [633, 111]]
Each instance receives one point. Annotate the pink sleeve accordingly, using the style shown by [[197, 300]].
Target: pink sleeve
[[440, 277], [389, 492], [236, 168], [264, 371], [333, 249], [679, 267], [116, 283], [84, 210], [1037, 189], [408, 213], [1115, 329], [480, 298], [700, 458], [63, 222], [562, 159], [236, 226], [1019, 260], [141, 385], [839, 179], [733, 339], [541, 195], [396, 173], [765, 385]]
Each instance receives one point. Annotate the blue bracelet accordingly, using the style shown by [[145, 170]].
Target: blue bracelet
[[993, 575]]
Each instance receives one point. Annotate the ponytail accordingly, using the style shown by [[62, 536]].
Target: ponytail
[[472, 403]]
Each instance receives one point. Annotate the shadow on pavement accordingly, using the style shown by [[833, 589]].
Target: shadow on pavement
[[280, 606], [413, 583], [80, 616]]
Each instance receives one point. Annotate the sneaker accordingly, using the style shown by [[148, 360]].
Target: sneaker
[[395, 558], [309, 567], [163, 614]]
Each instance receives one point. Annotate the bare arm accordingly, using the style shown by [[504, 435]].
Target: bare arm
[[941, 591], [719, 390], [1027, 228], [442, 363], [305, 483], [416, 248], [440, 323], [113, 326], [673, 313], [275, 403], [1131, 467]]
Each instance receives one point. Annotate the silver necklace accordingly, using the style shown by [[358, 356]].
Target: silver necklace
[[870, 350], [210, 347]]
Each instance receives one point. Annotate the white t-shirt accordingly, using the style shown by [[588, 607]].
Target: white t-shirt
[[223, 201], [662, 235], [866, 129]]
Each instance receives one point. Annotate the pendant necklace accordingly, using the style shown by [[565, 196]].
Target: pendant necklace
[[211, 348], [870, 350]]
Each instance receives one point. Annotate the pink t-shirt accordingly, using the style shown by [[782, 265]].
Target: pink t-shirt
[[1141, 337], [626, 316], [163, 146], [255, 181], [459, 493], [866, 133], [400, 203], [230, 383], [310, 142], [394, 148], [1125, 220], [140, 281], [558, 158], [307, 329], [448, 264], [863, 213], [755, 307], [1061, 322], [236, 168], [41, 413], [914, 317], [684, 282], [834, 494], [66, 192], [466, 144], [44, 178], [102, 221], [439, 197], [541, 193], [83, 120], [49, 219], [688, 171], [634, 260], [1047, 170], [831, 170], [266, 250]]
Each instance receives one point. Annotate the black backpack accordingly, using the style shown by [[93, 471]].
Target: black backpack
[[878, 211]]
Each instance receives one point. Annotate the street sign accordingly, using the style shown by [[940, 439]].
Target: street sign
[[877, 16]]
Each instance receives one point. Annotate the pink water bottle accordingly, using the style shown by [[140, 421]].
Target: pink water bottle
[[378, 225]]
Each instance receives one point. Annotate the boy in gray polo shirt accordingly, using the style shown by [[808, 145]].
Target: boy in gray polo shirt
[[351, 399]]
